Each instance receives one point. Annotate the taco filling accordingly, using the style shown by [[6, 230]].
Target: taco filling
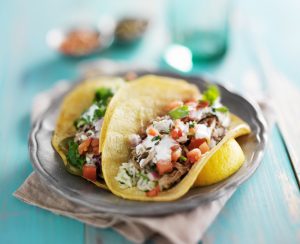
[[165, 152], [82, 149]]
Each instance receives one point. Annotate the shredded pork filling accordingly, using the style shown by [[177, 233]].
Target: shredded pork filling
[[172, 144]]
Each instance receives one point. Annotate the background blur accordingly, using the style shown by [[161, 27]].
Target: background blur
[[260, 36]]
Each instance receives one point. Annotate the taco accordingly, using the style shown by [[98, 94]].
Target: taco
[[160, 134], [79, 127]]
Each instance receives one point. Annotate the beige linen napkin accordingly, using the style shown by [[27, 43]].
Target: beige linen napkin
[[174, 228]]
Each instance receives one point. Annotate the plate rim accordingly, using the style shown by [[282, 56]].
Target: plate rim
[[193, 201]]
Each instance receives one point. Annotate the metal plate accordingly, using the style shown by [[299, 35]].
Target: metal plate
[[50, 167]]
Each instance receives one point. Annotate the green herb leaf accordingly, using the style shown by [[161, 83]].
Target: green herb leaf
[[99, 113], [101, 99], [102, 95], [64, 144], [222, 109], [73, 156], [192, 124], [156, 138], [182, 159], [211, 94], [180, 112], [81, 122]]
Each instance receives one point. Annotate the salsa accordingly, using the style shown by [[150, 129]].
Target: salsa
[[80, 42]]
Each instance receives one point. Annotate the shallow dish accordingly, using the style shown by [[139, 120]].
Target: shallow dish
[[50, 167]]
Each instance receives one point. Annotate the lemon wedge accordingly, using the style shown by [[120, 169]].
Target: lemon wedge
[[226, 161]]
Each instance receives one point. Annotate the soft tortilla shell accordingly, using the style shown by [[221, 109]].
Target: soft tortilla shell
[[136, 105], [73, 105]]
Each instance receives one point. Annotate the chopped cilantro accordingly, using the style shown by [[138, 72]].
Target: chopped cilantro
[[211, 94], [222, 109], [192, 124], [143, 176], [152, 166], [73, 156], [180, 112], [103, 95], [81, 122], [156, 138], [101, 99], [182, 159], [99, 113]]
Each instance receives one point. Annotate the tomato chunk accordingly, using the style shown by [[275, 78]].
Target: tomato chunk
[[164, 167], [192, 131], [204, 147], [173, 105], [89, 172], [175, 147], [195, 143], [154, 192], [194, 155], [191, 100], [84, 146], [151, 131], [176, 133], [175, 155], [95, 142], [203, 104], [95, 146]]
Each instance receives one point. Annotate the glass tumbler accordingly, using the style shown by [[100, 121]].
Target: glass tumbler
[[199, 25]]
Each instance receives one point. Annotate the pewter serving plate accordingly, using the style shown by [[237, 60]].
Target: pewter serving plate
[[50, 167]]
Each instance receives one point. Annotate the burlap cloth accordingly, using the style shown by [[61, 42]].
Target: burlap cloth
[[184, 227]]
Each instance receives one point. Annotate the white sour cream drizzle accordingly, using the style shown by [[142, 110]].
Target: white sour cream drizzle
[[202, 131], [160, 150], [163, 125], [90, 112], [163, 149]]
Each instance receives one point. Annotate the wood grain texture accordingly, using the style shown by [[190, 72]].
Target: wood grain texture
[[98, 236], [264, 210]]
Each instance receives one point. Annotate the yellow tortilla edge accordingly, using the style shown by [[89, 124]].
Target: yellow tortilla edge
[[237, 128], [72, 106]]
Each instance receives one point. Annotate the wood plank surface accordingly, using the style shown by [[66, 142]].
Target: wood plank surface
[[263, 210]]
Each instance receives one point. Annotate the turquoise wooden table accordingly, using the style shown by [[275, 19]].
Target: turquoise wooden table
[[266, 209]]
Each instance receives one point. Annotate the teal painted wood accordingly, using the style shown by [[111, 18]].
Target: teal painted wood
[[265, 209], [21, 223], [95, 236]]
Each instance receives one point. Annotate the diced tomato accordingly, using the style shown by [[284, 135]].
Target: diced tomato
[[94, 147], [154, 192], [203, 104], [151, 131], [176, 154], [195, 143], [164, 167], [194, 155], [192, 131], [175, 147], [89, 172], [204, 147], [173, 105], [176, 133], [95, 142], [191, 104], [96, 150], [84, 146], [191, 100]]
